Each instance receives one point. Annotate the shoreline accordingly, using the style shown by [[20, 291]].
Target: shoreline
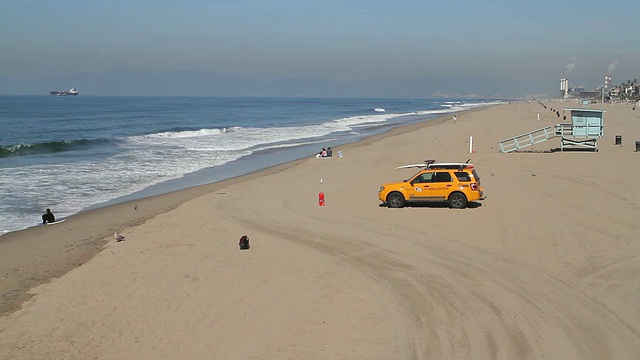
[[257, 158], [76, 245]]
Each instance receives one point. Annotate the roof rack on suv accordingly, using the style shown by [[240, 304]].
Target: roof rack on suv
[[431, 164], [458, 166]]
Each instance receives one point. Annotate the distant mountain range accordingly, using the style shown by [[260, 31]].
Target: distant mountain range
[[195, 83]]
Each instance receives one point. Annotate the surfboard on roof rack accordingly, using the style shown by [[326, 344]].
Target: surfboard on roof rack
[[431, 164]]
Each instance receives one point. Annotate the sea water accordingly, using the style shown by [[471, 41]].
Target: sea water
[[71, 154]]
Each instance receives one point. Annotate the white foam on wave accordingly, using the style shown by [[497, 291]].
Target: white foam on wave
[[76, 186], [355, 121], [480, 104], [454, 106], [247, 138], [435, 112], [180, 134]]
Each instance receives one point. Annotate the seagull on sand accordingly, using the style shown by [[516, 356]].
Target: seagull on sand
[[118, 237]]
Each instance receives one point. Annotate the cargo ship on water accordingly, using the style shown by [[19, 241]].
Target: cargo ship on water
[[72, 92]]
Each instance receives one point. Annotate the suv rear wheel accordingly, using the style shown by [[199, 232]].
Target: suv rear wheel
[[457, 201], [395, 200]]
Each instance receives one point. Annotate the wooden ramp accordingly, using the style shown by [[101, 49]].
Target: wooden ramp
[[527, 139]]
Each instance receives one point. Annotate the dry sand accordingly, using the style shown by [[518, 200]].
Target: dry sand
[[547, 267]]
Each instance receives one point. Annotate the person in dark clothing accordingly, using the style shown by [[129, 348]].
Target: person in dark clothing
[[329, 152], [48, 217], [244, 242]]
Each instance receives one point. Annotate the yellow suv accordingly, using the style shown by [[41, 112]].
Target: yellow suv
[[454, 183]]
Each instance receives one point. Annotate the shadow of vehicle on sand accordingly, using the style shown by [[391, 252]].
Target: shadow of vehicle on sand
[[435, 205]]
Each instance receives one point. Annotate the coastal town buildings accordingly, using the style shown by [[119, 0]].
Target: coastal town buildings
[[628, 90]]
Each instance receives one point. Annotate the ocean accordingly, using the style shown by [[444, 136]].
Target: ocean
[[74, 153]]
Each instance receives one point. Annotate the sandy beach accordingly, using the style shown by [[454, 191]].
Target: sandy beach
[[547, 267]]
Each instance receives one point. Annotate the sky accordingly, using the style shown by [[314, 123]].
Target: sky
[[537, 41]]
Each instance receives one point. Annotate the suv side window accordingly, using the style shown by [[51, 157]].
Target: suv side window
[[463, 176], [423, 178], [441, 177]]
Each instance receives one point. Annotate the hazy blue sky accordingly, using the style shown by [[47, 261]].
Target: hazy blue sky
[[334, 40]]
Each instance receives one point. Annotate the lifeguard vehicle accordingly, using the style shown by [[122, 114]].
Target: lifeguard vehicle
[[457, 184]]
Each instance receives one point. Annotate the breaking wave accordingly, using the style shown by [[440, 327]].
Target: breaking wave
[[49, 147]]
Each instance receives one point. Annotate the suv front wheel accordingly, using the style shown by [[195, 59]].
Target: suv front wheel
[[457, 201], [395, 200]]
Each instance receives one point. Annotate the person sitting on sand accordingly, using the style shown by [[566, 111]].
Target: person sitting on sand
[[244, 243], [322, 153], [48, 217], [329, 152]]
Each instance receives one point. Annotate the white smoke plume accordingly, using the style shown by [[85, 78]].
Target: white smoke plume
[[612, 66], [571, 66]]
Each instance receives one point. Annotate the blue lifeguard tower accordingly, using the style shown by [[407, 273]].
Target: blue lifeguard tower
[[585, 129]]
